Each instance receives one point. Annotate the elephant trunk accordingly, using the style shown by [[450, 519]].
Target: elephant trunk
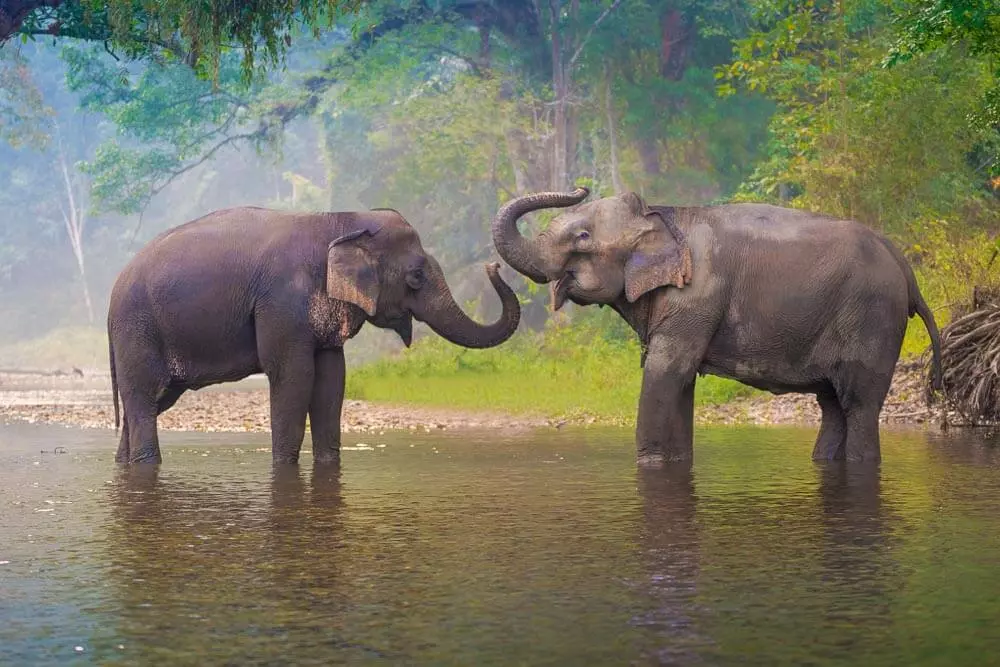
[[521, 253], [444, 316]]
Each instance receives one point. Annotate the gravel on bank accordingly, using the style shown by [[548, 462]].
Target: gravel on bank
[[85, 401]]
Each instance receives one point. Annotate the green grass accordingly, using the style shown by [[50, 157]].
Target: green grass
[[571, 371], [61, 348]]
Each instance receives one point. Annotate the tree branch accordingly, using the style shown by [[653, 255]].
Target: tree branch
[[14, 12], [590, 32]]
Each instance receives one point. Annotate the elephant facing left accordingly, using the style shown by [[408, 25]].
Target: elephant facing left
[[250, 290]]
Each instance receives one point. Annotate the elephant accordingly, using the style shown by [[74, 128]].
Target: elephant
[[779, 299], [249, 290]]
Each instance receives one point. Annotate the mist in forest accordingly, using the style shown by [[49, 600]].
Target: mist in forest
[[444, 112]]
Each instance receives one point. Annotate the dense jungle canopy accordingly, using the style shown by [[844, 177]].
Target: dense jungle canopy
[[121, 119]]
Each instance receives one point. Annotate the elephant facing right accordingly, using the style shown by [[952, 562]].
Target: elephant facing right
[[780, 299]]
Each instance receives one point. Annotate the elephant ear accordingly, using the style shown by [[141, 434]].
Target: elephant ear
[[661, 256], [351, 275]]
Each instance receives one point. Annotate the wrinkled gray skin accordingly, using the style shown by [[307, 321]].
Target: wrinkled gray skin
[[779, 299], [249, 290]]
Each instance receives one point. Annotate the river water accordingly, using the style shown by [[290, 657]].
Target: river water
[[548, 548]]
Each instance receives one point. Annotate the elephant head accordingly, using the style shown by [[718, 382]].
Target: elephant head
[[596, 252], [381, 268]]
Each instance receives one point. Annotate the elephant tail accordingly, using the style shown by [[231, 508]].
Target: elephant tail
[[114, 380], [917, 306]]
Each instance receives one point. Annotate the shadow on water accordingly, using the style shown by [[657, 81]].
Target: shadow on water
[[215, 572]]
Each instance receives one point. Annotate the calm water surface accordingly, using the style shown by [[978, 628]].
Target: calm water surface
[[549, 548]]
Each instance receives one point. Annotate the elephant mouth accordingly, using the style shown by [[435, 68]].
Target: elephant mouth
[[404, 327], [561, 289]]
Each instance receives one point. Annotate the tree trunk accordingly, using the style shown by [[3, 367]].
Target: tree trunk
[[75, 219], [558, 177], [675, 44], [13, 13], [616, 176]]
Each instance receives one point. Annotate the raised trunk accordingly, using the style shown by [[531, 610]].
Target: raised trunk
[[444, 316], [519, 252]]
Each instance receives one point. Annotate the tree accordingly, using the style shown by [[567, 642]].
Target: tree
[[22, 110], [196, 33], [972, 26], [891, 147]]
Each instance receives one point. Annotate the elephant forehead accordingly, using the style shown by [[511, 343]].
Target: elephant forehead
[[612, 215]]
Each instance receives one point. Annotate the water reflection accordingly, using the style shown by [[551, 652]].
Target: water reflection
[[668, 539], [856, 557], [554, 550], [265, 563]]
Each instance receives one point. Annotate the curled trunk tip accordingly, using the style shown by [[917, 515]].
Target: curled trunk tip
[[448, 320], [520, 253]]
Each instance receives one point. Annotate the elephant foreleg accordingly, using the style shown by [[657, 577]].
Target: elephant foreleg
[[291, 384], [665, 425], [326, 404]]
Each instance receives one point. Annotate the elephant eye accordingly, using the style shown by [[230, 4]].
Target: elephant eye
[[416, 279], [583, 235]]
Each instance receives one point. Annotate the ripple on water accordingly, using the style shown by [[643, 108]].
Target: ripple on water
[[547, 548]]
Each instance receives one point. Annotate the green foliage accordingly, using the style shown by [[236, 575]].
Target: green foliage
[[168, 120], [197, 34], [23, 114], [961, 27], [889, 147]]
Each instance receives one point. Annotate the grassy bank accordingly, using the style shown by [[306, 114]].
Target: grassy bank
[[588, 368]]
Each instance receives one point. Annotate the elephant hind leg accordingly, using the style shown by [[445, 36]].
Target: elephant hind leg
[[144, 442], [832, 439], [141, 404], [139, 442], [862, 403]]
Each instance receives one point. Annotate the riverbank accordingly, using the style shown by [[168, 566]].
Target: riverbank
[[84, 401]]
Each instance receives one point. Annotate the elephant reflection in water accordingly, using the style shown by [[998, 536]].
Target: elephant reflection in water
[[230, 573], [671, 551], [859, 568]]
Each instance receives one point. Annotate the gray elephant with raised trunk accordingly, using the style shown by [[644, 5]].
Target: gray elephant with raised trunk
[[250, 290], [779, 299]]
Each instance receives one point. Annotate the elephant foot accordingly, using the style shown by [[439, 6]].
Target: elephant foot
[[655, 460], [824, 451], [285, 459], [150, 459], [327, 457]]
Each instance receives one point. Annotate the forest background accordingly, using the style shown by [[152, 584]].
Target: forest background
[[121, 119]]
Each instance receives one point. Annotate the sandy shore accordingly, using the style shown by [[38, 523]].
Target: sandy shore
[[85, 401]]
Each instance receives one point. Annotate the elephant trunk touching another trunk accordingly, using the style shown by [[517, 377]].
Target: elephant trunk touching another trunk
[[448, 320], [521, 253]]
